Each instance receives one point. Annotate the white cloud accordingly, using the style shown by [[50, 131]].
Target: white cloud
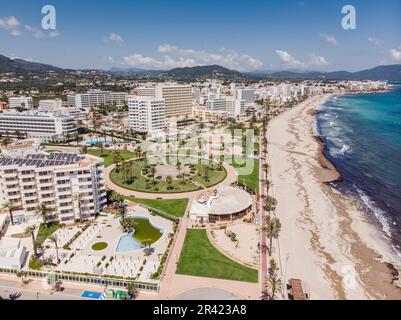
[[37, 33], [110, 59], [329, 39], [318, 61], [10, 24], [114, 37], [15, 32], [289, 60], [396, 53], [165, 48], [174, 57], [375, 41], [54, 34]]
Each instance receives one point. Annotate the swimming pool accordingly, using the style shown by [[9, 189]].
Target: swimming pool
[[128, 243]]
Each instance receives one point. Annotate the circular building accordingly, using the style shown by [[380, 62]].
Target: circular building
[[225, 203]]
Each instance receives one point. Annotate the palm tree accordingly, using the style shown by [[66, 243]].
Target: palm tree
[[179, 167], [6, 141], [22, 274], [53, 238], [10, 206], [153, 173], [131, 288], [147, 243], [271, 203], [272, 229], [78, 198], [121, 213], [169, 181], [31, 230], [273, 285], [43, 211]]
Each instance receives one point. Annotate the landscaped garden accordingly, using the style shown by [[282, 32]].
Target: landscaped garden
[[174, 207], [251, 181], [141, 176], [109, 155], [45, 231], [200, 258]]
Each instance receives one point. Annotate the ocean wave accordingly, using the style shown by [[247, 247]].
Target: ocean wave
[[332, 123], [377, 212]]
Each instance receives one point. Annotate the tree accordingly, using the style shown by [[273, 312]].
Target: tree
[[271, 203], [273, 285], [121, 213], [6, 141], [78, 198], [53, 238], [131, 288], [31, 230], [169, 181], [22, 274], [42, 211], [10, 206], [272, 229], [153, 173]]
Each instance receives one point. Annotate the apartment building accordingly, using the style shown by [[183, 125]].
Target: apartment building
[[146, 92], [177, 99], [233, 107], [20, 102], [246, 94], [50, 105], [53, 179], [50, 127], [96, 98], [146, 114]]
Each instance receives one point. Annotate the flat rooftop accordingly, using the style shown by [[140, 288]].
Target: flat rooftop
[[42, 159]]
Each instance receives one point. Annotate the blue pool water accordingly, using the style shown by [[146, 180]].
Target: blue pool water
[[94, 142], [128, 243]]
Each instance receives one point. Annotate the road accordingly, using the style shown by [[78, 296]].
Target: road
[[8, 287]]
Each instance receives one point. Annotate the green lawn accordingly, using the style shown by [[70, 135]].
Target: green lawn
[[109, 154], [174, 207], [195, 181], [200, 258], [99, 246], [145, 231], [44, 231], [251, 180]]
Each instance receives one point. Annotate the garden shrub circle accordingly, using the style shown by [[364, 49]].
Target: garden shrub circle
[[140, 176], [99, 246]]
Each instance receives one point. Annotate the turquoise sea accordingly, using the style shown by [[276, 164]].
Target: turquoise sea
[[363, 138]]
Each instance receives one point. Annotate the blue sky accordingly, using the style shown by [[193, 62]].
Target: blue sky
[[245, 35]]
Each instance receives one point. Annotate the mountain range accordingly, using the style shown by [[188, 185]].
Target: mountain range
[[386, 72]]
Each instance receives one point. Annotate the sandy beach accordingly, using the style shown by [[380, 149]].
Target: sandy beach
[[325, 240]]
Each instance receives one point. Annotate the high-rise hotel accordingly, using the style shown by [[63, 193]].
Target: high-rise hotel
[[146, 114], [55, 180]]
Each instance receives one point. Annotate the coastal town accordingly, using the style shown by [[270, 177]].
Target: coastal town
[[131, 194], [189, 159]]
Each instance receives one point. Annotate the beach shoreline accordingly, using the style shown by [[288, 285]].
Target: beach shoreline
[[326, 240]]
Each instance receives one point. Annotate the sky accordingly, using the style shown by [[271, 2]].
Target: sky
[[242, 35]]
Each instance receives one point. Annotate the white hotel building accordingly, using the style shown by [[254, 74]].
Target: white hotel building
[[146, 114], [177, 99], [95, 98], [53, 179], [20, 102], [50, 127]]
